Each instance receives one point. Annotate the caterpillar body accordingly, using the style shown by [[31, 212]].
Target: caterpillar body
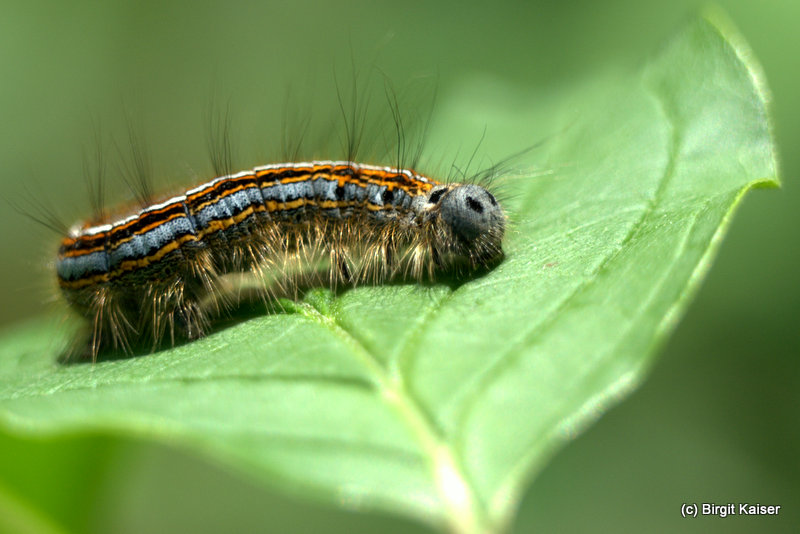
[[156, 275]]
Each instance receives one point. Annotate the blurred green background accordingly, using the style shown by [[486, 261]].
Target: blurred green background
[[717, 420]]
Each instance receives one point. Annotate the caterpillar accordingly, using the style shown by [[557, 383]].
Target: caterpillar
[[157, 274]]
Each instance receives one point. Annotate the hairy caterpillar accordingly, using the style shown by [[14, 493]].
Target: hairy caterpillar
[[158, 274]]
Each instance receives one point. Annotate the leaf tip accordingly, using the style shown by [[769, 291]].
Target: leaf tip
[[718, 19]]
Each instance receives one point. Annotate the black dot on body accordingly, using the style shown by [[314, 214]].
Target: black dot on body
[[436, 195], [387, 196], [474, 205], [339, 192]]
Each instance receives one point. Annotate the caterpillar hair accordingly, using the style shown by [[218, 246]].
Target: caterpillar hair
[[160, 272]]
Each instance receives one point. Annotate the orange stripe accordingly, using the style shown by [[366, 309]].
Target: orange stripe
[[116, 244], [81, 252], [211, 188], [130, 265], [134, 221], [364, 177], [196, 209]]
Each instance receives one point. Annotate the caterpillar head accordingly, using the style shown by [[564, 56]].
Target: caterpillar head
[[468, 225]]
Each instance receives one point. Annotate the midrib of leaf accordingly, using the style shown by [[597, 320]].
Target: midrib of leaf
[[463, 512]]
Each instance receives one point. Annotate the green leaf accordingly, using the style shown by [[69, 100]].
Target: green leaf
[[442, 402]]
